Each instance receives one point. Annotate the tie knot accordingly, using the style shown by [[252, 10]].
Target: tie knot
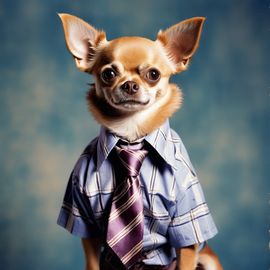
[[131, 157]]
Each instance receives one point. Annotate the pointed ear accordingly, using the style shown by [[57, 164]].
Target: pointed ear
[[181, 41], [82, 39]]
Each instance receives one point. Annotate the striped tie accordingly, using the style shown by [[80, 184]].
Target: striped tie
[[125, 226]]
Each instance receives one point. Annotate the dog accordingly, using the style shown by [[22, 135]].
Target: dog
[[132, 97]]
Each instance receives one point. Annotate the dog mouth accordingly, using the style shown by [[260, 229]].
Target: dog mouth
[[131, 102]]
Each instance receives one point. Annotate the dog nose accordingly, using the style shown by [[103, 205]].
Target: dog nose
[[130, 87]]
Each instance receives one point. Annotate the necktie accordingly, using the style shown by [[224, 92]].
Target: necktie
[[125, 225]]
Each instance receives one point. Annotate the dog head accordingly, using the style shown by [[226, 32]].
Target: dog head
[[132, 73]]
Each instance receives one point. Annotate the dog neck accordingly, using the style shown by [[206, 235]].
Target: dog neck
[[135, 125]]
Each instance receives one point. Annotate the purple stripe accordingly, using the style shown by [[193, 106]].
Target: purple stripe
[[129, 241], [127, 216], [125, 196], [121, 222], [125, 231], [130, 162]]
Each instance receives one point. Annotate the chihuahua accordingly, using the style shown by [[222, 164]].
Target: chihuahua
[[132, 97]]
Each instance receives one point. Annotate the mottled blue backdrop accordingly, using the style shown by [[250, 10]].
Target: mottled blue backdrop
[[224, 122]]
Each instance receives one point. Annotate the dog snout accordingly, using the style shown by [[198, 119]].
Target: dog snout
[[130, 87]]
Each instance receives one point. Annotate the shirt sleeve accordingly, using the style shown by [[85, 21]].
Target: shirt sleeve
[[191, 222], [76, 215]]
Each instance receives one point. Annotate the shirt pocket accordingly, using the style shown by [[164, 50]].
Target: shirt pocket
[[158, 214]]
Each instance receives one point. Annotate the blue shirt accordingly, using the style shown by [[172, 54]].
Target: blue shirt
[[175, 211]]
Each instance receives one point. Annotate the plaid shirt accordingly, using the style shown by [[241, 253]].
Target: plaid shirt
[[175, 211]]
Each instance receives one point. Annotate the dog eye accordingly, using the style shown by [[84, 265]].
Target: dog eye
[[108, 75], [153, 75]]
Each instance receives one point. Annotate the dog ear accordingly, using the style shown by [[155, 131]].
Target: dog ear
[[181, 41], [82, 40]]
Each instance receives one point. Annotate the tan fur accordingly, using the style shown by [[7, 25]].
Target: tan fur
[[134, 115], [209, 259], [131, 52], [189, 258], [135, 125], [182, 47], [91, 253]]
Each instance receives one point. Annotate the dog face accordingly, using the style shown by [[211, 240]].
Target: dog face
[[132, 73]]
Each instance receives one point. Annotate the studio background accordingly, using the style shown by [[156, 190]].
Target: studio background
[[45, 125]]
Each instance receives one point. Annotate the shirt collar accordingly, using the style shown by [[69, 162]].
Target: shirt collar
[[160, 139], [106, 143]]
